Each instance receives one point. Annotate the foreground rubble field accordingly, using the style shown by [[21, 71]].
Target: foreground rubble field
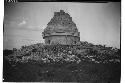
[[85, 63]]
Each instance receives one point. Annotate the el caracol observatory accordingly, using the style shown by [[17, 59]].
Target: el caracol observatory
[[61, 30]]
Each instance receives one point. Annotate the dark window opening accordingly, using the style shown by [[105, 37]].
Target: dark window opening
[[49, 41]]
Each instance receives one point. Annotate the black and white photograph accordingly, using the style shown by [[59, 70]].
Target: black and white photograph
[[62, 42]]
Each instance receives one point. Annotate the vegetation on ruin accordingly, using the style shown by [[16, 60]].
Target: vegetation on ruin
[[63, 63]]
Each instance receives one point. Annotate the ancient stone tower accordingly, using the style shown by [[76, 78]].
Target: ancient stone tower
[[61, 30]]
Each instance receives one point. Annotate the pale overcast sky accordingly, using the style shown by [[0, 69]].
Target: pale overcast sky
[[98, 23]]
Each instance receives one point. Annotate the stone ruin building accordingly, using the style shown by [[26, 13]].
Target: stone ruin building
[[61, 30]]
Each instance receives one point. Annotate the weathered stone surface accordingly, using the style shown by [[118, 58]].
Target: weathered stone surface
[[65, 40], [59, 28]]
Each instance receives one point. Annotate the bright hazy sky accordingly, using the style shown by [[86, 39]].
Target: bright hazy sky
[[98, 23]]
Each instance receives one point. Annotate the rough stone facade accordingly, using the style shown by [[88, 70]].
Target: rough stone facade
[[65, 40], [61, 30]]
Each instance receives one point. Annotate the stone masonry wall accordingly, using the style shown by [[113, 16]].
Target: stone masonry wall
[[65, 40]]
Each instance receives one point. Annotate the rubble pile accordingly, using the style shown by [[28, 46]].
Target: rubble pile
[[65, 53]]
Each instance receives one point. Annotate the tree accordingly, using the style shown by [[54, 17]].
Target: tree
[[14, 49]]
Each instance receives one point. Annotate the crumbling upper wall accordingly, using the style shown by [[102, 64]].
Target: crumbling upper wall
[[59, 27]]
